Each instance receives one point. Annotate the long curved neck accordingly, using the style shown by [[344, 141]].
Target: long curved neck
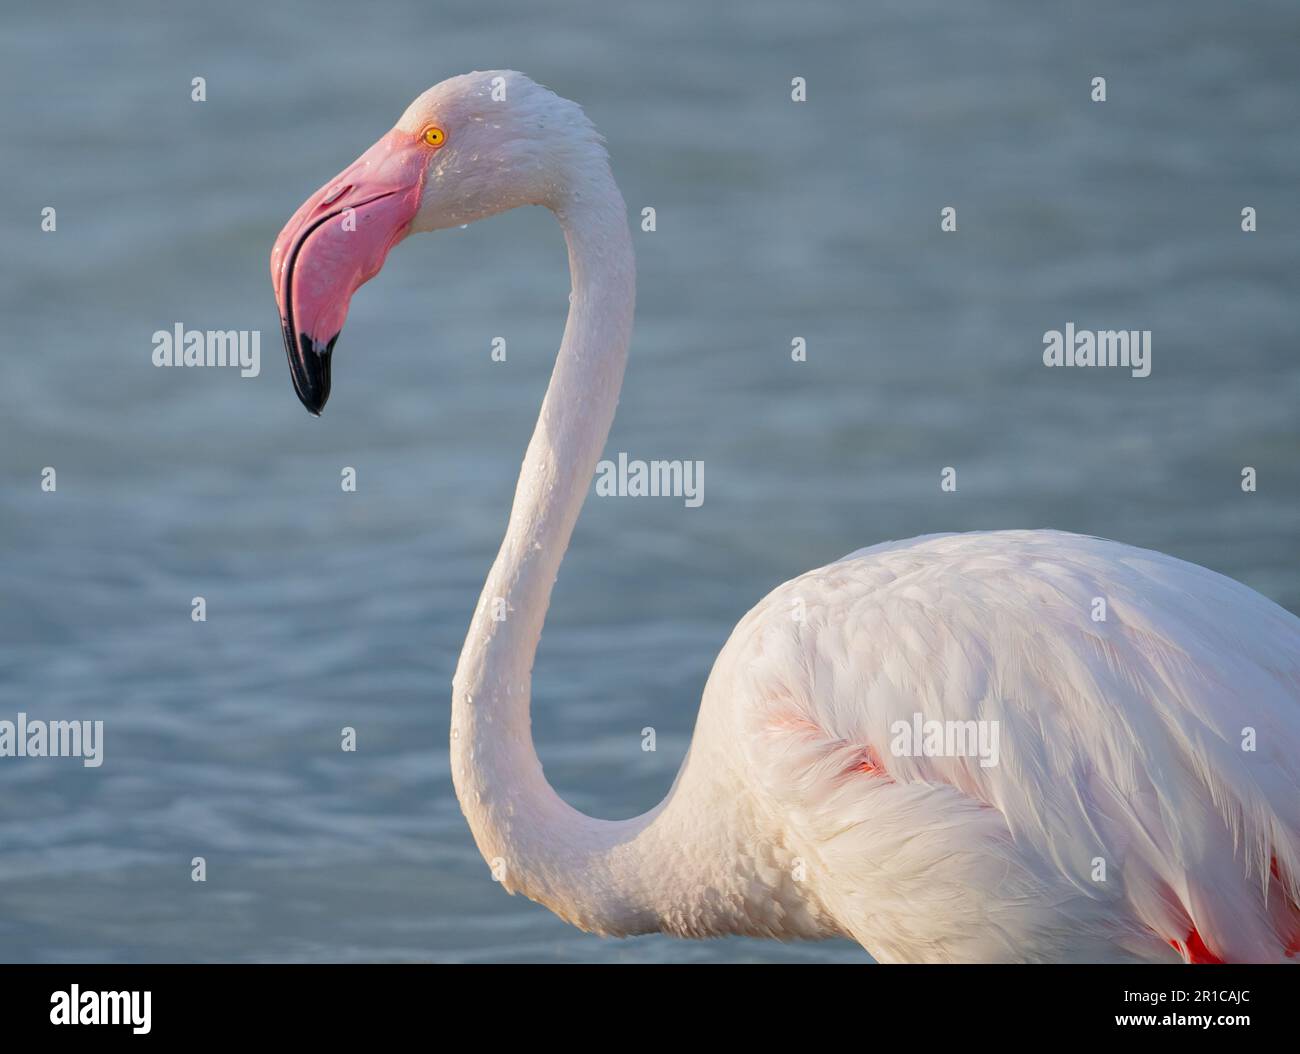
[[705, 861], [533, 841]]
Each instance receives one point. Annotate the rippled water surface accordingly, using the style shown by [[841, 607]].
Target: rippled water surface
[[775, 220]]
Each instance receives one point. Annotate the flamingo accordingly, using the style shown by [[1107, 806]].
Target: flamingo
[[1144, 801]]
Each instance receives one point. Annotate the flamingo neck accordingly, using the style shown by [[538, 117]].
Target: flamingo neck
[[533, 841], [704, 861]]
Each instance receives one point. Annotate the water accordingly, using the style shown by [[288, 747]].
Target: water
[[775, 220]]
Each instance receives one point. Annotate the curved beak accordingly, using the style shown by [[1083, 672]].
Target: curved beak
[[335, 243]]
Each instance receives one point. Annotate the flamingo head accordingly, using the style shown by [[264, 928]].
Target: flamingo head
[[468, 148]]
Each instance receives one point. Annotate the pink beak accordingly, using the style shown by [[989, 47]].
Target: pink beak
[[335, 243]]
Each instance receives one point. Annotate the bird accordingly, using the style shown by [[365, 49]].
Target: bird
[[1003, 746]]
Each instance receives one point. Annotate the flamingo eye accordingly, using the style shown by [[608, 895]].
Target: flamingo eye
[[435, 136]]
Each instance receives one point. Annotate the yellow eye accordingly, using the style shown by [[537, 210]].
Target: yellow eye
[[435, 136]]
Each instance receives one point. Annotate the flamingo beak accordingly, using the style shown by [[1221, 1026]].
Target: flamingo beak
[[335, 243]]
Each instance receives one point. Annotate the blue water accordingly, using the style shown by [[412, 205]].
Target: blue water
[[775, 220]]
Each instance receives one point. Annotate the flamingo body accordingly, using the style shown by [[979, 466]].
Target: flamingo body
[[1124, 819]]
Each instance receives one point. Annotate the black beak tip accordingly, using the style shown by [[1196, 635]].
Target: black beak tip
[[309, 367]]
